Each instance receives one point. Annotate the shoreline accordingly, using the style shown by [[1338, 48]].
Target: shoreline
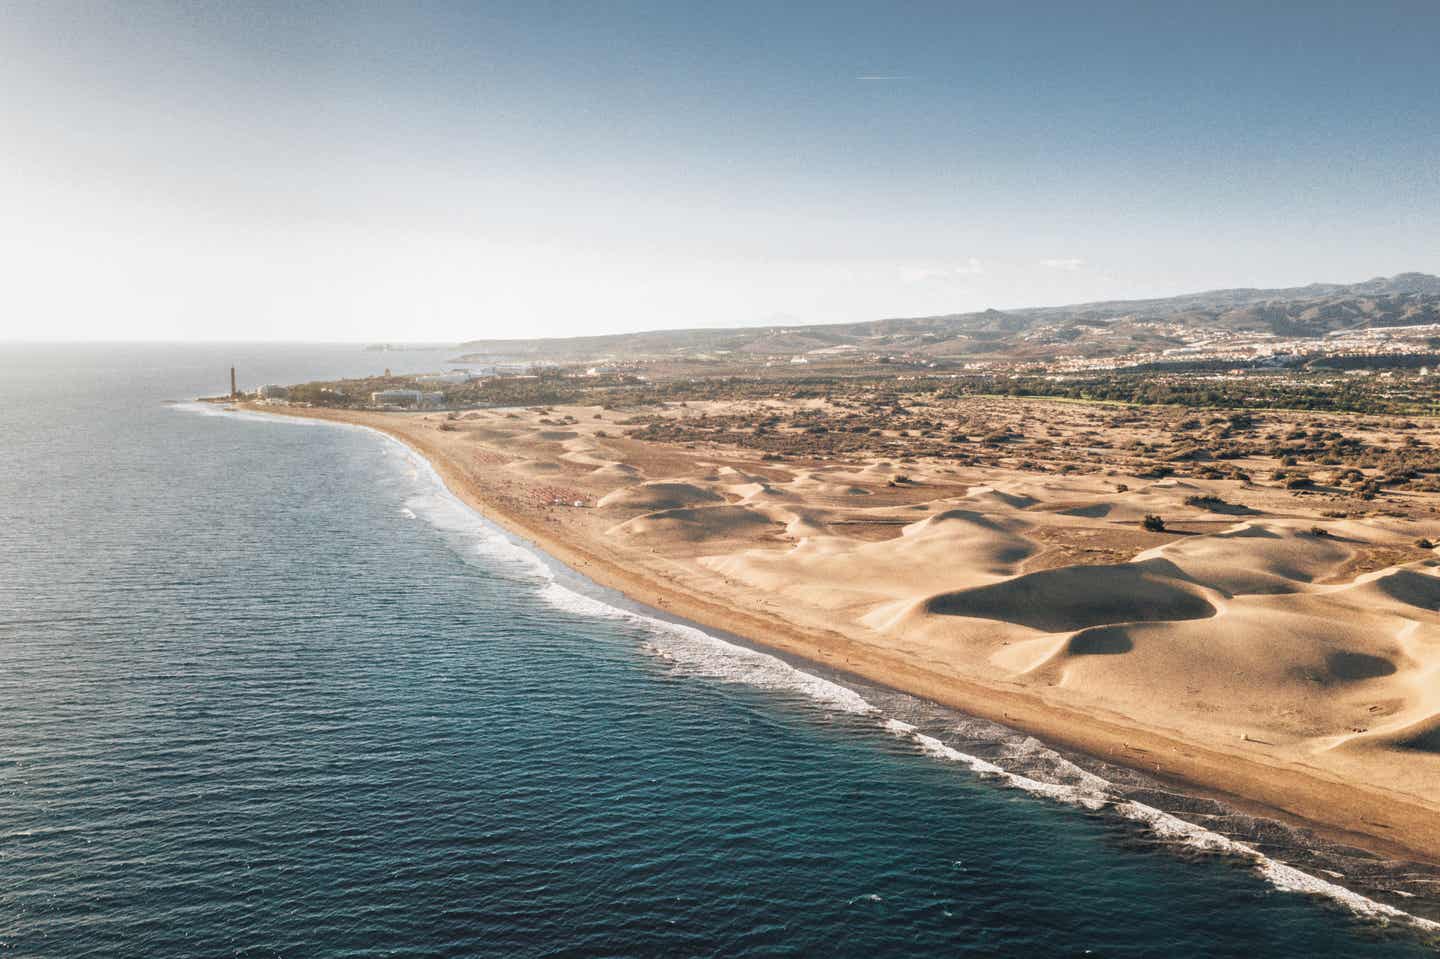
[[1369, 817]]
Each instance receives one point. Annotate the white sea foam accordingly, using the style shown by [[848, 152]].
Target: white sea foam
[[251, 416], [693, 652], [204, 409], [1282, 876], [1033, 751], [706, 656], [1087, 797]]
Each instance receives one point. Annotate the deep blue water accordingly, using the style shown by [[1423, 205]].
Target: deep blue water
[[267, 691]]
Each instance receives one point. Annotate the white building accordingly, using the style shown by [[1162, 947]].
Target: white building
[[405, 398], [452, 378]]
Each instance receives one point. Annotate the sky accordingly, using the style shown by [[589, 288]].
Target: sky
[[429, 171]]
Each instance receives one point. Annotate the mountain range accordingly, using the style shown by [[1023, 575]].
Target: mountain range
[[1312, 311]]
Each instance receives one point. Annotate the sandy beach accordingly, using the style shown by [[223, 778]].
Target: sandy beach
[[1264, 646]]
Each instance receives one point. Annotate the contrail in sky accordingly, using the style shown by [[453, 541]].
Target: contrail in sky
[[878, 77]]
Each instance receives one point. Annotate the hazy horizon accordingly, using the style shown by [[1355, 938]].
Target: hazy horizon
[[445, 343], [445, 172]]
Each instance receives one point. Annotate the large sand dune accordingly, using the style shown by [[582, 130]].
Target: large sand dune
[[1075, 597], [658, 496]]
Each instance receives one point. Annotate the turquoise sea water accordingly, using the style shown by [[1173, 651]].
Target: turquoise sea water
[[267, 690]]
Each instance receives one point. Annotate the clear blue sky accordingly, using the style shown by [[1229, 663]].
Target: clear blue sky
[[451, 170]]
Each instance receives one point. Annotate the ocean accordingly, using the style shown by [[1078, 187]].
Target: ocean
[[269, 690]]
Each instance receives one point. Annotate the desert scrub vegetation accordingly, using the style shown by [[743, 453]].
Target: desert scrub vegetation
[[1208, 501]]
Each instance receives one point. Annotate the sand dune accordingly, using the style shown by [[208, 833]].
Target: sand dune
[[1423, 736], [816, 483], [1001, 498], [584, 451], [1072, 598], [619, 472], [1418, 589], [535, 467], [486, 434], [659, 495], [710, 523], [1254, 558], [836, 572], [761, 492]]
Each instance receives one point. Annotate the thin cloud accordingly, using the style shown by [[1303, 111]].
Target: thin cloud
[[1071, 263], [926, 274]]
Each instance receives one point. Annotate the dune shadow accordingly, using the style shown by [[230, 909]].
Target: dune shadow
[[1092, 511], [1358, 666], [1425, 742], [1077, 597], [1234, 509], [1101, 642], [1412, 588]]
